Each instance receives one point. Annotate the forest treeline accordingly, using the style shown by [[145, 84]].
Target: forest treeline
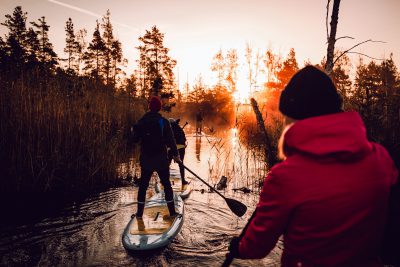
[[371, 88], [65, 121]]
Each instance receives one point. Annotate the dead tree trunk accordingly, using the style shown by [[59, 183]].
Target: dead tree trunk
[[269, 151], [332, 36]]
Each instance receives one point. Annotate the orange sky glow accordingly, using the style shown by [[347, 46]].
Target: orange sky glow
[[196, 30]]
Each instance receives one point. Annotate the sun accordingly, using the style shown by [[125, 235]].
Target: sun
[[242, 94]]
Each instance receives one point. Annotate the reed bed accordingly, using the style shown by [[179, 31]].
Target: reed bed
[[54, 141], [240, 154]]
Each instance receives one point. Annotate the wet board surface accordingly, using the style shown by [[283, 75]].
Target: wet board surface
[[156, 229], [176, 184], [155, 220]]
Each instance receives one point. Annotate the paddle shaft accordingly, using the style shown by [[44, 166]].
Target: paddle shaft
[[229, 257], [212, 188]]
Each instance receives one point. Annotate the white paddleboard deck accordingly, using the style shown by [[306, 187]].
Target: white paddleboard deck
[[182, 190], [156, 228]]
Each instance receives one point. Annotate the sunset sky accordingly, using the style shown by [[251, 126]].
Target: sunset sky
[[196, 30]]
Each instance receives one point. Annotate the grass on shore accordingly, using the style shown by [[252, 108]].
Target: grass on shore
[[54, 141]]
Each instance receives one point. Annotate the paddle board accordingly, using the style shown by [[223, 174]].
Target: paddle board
[[155, 229], [182, 190]]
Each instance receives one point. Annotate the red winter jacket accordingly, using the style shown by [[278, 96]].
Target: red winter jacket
[[328, 198]]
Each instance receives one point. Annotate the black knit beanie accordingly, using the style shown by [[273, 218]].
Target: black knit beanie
[[309, 93]]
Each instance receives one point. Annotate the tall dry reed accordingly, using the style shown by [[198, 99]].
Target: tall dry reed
[[54, 141]]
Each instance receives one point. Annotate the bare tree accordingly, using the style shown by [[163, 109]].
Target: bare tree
[[332, 35], [331, 38]]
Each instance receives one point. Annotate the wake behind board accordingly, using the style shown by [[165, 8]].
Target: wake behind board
[[182, 190], [156, 229]]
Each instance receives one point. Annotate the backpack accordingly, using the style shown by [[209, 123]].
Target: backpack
[[152, 136], [179, 134]]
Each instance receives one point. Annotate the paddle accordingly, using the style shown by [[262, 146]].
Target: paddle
[[229, 258], [236, 207]]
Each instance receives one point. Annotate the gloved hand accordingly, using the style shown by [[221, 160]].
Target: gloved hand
[[234, 247], [178, 160]]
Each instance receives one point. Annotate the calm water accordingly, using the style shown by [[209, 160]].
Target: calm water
[[88, 233]]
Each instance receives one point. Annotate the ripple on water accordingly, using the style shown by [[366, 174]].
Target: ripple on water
[[88, 233]]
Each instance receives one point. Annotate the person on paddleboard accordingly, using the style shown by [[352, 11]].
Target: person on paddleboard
[[199, 122], [329, 196], [180, 139], [155, 134]]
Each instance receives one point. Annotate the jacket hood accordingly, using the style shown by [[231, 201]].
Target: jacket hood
[[341, 136]]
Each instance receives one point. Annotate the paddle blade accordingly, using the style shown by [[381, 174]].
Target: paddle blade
[[236, 207]]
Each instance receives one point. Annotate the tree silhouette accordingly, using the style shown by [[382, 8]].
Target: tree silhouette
[[331, 36], [376, 94], [15, 43], [108, 39], [117, 59], [154, 62], [81, 45], [94, 55], [131, 85], [47, 56], [33, 48], [71, 47]]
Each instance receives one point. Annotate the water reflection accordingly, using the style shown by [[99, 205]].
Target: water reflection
[[89, 232], [198, 147]]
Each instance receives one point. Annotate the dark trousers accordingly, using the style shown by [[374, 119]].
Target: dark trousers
[[144, 184], [181, 168], [181, 156]]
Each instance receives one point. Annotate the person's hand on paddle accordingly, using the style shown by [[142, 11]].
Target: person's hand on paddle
[[234, 248], [178, 160]]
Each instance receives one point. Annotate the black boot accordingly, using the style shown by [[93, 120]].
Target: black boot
[[140, 209]]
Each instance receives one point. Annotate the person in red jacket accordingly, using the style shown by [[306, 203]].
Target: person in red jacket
[[329, 196]]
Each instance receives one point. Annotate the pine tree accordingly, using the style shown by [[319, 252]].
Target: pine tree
[[131, 85], [117, 59], [390, 100], [340, 75], [33, 48], [15, 44], [113, 57], [94, 56], [47, 56], [80, 48], [154, 62], [71, 47], [367, 84], [108, 39], [377, 95]]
